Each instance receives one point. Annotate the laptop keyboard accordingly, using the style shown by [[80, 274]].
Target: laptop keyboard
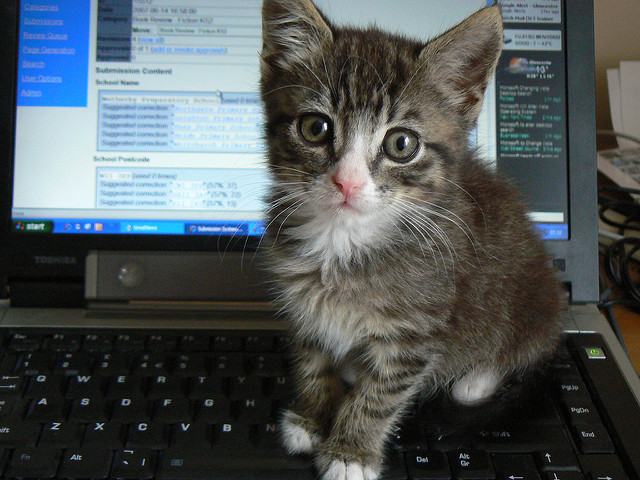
[[204, 405]]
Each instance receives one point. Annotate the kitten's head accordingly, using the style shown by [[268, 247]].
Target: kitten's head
[[363, 126]]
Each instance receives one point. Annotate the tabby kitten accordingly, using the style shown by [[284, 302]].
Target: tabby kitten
[[403, 263]]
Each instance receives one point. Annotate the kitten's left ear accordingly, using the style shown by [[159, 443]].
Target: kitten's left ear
[[463, 59], [291, 30]]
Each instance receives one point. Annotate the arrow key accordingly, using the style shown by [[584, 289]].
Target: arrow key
[[555, 460], [563, 475], [516, 467], [603, 467]]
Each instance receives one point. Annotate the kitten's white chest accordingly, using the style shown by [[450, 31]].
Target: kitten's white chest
[[337, 328]]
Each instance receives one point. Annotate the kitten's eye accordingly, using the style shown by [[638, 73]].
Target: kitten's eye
[[315, 128], [400, 145]]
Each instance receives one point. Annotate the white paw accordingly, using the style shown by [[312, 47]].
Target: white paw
[[340, 470], [475, 386], [295, 438]]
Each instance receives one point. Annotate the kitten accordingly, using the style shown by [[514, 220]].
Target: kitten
[[403, 263]]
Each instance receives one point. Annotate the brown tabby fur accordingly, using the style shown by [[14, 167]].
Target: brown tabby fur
[[437, 278]]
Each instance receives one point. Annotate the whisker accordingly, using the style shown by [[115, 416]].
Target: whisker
[[484, 219], [295, 86]]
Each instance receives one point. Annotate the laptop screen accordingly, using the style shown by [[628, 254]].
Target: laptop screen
[[142, 117]]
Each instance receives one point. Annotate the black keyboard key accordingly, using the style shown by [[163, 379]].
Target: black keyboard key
[[603, 467], [129, 343], [104, 435], [97, 343], [470, 464], [45, 409], [194, 343], [172, 410], [33, 462], [428, 465], [8, 405], [11, 384], [129, 410], [15, 434], [581, 411], [279, 387], [522, 438], [554, 459], [110, 364], [395, 468], [135, 464], [243, 386], [515, 467], [85, 386], [199, 463], [268, 438], [191, 365], [150, 364], [233, 436], [125, 386], [190, 434], [253, 410], [77, 363], [227, 343], [205, 387], [85, 463], [44, 385], [165, 386], [228, 364], [563, 475], [162, 343], [61, 434], [259, 343], [573, 389], [213, 410], [265, 365], [25, 343], [148, 435], [406, 437], [35, 363], [88, 409], [593, 439], [61, 342]]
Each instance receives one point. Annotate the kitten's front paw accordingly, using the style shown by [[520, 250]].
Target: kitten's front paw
[[299, 435], [339, 469]]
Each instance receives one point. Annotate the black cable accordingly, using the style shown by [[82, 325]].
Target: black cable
[[617, 261]]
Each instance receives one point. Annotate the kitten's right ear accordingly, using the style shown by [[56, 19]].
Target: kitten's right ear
[[292, 30]]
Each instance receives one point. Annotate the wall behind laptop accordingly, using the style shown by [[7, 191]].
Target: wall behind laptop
[[617, 37]]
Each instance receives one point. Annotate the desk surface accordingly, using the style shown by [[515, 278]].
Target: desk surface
[[630, 325]]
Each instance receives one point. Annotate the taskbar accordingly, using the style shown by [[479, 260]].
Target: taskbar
[[547, 231], [138, 227]]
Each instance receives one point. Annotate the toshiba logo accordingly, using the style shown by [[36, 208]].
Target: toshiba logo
[[42, 259]]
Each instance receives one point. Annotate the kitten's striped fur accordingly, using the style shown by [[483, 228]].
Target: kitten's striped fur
[[397, 276]]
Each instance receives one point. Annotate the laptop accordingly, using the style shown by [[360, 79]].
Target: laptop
[[137, 338]]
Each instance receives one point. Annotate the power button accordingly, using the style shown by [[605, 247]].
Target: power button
[[595, 353]]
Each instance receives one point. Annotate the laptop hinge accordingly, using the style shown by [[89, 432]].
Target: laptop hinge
[[43, 293]]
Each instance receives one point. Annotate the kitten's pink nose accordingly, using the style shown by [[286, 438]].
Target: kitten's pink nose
[[347, 185]]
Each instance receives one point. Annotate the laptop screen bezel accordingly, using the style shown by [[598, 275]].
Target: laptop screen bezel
[[62, 256]]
